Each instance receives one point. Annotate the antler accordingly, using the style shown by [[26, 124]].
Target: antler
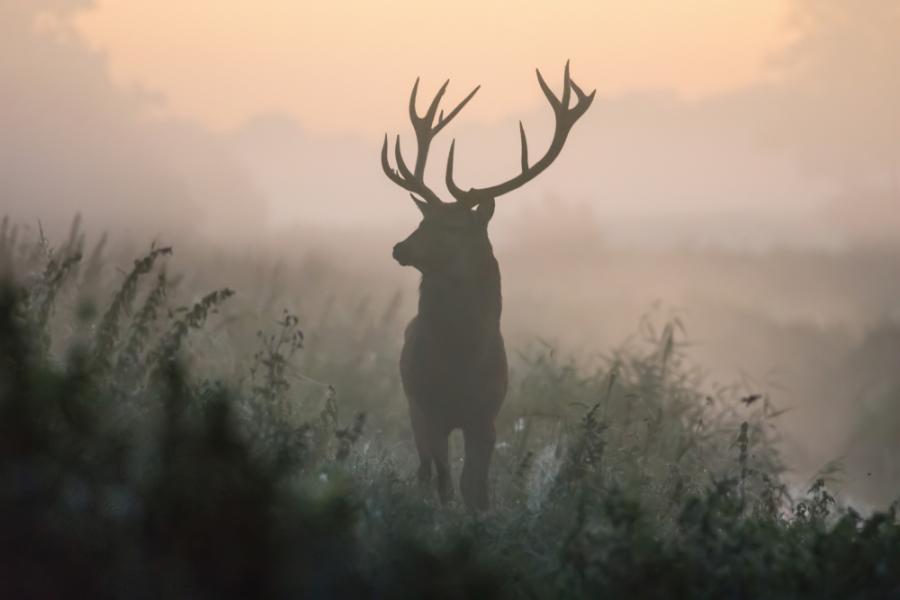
[[565, 119], [414, 181]]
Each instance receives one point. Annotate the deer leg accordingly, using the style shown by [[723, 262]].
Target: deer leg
[[479, 440], [441, 455], [424, 444]]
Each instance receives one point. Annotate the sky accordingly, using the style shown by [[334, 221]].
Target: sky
[[344, 66], [746, 124]]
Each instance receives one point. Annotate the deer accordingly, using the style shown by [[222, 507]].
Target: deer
[[453, 363]]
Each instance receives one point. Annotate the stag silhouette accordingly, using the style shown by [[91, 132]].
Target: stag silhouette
[[453, 364]]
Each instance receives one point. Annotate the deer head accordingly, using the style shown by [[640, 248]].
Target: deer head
[[453, 235]]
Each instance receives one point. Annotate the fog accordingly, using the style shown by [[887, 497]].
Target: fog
[[72, 141], [767, 217]]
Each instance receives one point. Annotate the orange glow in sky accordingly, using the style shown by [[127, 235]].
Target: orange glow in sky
[[347, 66]]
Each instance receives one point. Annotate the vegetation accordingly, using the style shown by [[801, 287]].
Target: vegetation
[[148, 449]]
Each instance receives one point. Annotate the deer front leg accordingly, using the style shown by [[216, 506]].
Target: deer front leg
[[433, 445], [479, 440], [423, 444], [441, 455]]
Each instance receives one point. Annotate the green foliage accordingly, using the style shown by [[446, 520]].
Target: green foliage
[[108, 329], [128, 365], [169, 346], [129, 467]]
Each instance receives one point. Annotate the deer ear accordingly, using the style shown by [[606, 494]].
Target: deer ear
[[421, 204], [485, 210]]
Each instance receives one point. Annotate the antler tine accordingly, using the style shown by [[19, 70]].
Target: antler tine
[[565, 119], [413, 115], [583, 103], [401, 164], [584, 100], [567, 88], [432, 108], [456, 192], [443, 121], [551, 97], [524, 146], [386, 165]]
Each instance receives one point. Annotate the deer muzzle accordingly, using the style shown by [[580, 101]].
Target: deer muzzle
[[401, 254]]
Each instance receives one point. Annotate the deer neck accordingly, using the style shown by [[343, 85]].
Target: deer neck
[[461, 303]]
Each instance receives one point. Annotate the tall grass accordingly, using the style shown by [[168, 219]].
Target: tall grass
[[136, 461]]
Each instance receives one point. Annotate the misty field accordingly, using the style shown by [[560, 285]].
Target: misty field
[[160, 440]]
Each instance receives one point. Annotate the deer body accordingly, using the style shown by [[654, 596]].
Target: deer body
[[454, 372], [453, 364]]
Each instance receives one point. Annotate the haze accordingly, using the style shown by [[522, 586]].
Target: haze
[[712, 115], [741, 162]]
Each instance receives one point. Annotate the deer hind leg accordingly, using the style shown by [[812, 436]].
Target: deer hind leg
[[424, 444], [479, 440], [441, 455]]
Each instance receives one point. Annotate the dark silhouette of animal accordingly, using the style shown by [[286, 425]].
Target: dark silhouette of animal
[[453, 363]]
